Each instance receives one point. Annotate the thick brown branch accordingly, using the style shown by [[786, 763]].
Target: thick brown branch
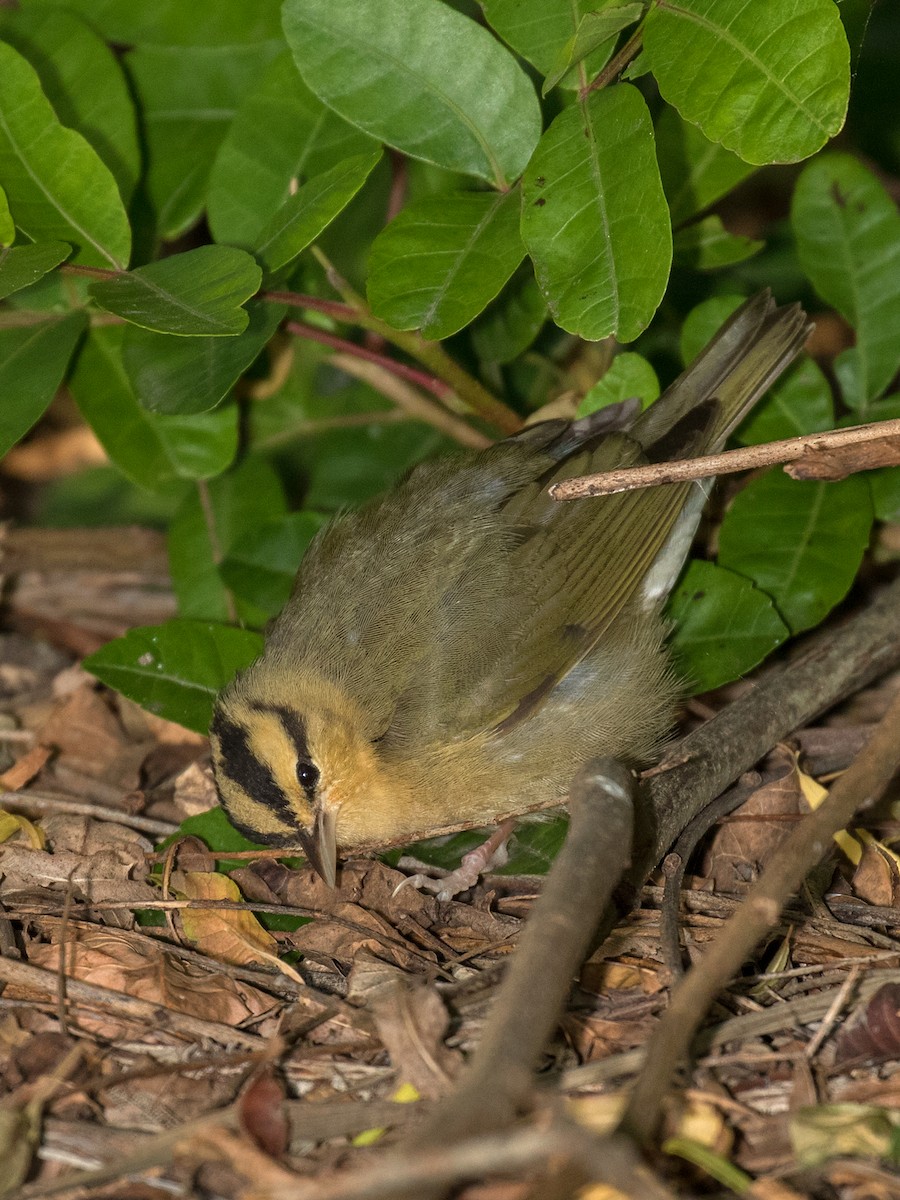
[[747, 458], [859, 787], [826, 666], [499, 1081]]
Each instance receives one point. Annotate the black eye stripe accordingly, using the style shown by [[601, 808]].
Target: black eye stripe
[[238, 762]]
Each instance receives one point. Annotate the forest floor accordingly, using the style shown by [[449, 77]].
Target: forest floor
[[156, 1036]]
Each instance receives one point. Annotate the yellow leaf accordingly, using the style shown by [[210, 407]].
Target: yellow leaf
[[226, 934], [12, 823]]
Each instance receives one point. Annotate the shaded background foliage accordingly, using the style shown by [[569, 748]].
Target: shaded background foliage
[[195, 204]]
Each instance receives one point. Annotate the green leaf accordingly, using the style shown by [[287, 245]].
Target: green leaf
[[800, 542], [216, 831], [172, 23], [799, 403], [193, 374], [198, 292], [188, 98], [539, 30], [421, 77], [703, 321], [510, 323], [628, 375], [594, 217], [21, 266], [532, 847], [262, 565], [33, 361], [443, 259], [155, 452], [848, 238], [724, 626], [206, 527], [7, 225], [282, 135], [707, 245], [695, 172], [57, 186], [885, 482], [348, 467], [595, 30], [84, 82], [769, 80], [314, 205], [175, 670]]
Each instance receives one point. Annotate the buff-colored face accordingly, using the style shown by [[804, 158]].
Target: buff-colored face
[[268, 780], [292, 768]]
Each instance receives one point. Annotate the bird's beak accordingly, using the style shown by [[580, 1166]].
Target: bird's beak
[[320, 846]]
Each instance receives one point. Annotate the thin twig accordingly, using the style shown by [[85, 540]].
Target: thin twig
[[329, 308], [617, 63], [677, 859], [531, 1149], [429, 354], [312, 333], [861, 785], [747, 458], [89, 272], [40, 803], [826, 666], [129, 1008], [411, 401], [800, 1010], [499, 1081], [835, 1009]]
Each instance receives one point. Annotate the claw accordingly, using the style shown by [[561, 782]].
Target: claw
[[486, 857]]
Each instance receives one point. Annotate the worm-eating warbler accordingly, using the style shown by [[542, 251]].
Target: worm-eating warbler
[[454, 650]]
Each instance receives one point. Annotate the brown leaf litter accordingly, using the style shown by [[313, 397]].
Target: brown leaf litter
[[201, 1068]]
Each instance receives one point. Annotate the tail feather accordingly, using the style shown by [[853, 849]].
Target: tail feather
[[744, 358]]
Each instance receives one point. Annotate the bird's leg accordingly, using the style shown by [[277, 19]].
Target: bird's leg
[[489, 855]]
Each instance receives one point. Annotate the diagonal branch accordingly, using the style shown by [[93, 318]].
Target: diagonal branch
[[802, 450]]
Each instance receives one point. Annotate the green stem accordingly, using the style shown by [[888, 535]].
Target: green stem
[[90, 272], [428, 383], [618, 62], [429, 354]]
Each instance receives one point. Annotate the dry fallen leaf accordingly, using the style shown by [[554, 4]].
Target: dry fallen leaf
[[411, 1021], [87, 734], [873, 1034], [229, 935], [747, 838], [141, 968]]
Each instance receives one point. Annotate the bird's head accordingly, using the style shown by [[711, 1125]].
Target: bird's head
[[294, 768]]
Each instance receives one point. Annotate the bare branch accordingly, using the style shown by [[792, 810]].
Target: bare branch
[[859, 787], [747, 458]]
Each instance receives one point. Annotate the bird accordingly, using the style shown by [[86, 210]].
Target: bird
[[453, 650]]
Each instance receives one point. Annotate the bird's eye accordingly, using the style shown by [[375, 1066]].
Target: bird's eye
[[307, 775]]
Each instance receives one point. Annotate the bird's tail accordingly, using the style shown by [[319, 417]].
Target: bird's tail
[[714, 394]]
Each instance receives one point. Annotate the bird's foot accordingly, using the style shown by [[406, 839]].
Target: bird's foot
[[488, 856]]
